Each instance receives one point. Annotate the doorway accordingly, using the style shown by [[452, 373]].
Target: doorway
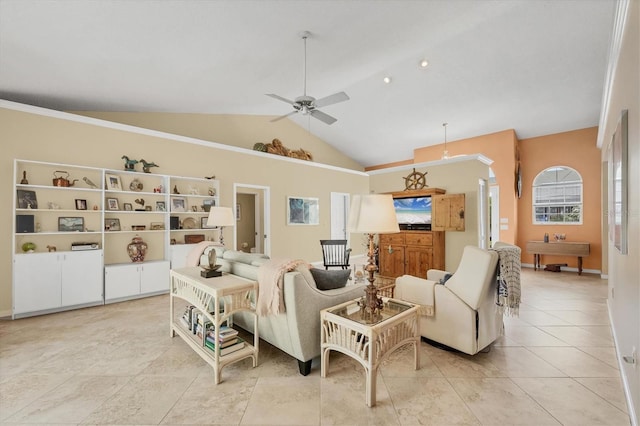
[[339, 214], [252, 230], [494, 214]]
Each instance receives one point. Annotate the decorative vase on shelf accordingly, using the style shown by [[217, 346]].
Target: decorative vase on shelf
[[137, 249]]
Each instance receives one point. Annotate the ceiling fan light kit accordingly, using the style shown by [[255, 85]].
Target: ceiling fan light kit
[[308, 105]]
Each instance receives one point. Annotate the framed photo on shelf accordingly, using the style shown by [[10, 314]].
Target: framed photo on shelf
[[112, 224], [27, 199], [303, 211], [161, 206], [203, 223], [70, 224], [113, 182], [81, 204], [178, 204], [208, 203], [112, 204], [157, 226], [128, 207]]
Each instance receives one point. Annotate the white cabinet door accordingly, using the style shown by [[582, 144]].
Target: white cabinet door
[[154, 277], [81, 277], [121, 281], [36, 283]]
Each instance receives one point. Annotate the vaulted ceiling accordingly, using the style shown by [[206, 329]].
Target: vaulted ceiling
[[535, 66]]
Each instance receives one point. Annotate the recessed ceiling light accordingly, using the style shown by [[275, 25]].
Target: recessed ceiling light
[[424, 63], [387, 80]]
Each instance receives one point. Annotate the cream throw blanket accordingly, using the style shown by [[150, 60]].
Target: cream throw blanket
[[270, 283]]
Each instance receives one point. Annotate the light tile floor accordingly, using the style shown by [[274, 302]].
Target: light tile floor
[[116, 364]]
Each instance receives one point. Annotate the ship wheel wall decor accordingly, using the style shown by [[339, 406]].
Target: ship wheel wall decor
[[415, 180]]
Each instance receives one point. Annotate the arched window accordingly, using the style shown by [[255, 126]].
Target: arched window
[[557, 196]]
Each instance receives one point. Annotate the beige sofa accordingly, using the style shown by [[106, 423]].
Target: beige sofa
[[465, 315], [297, 330]]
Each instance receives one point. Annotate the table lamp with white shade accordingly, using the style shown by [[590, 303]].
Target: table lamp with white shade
[[372, 214], [221, 217]]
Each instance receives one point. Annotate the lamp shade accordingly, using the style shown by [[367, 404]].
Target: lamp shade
[[373, 214], [221, 216]]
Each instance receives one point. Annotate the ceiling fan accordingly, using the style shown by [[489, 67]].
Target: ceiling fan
[[308, 104]]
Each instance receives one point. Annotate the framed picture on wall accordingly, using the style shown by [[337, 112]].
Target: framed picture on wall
[[303, 211], [618, 184]]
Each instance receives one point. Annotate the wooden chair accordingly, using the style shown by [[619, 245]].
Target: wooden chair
[[335, 253]]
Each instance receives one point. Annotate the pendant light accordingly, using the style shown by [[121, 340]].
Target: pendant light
[[445, 154]]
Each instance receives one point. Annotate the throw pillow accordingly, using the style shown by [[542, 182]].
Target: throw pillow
[[444, 279], [328, 280]]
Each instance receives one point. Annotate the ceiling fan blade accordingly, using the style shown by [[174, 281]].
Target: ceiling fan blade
[[284, 116], [331, 99], [280, 98], [325, 118]]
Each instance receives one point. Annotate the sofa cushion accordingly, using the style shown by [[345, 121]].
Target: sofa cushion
[[240, 256], [330, 279], [259, 262]]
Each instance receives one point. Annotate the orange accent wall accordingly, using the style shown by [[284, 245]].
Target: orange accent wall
[[501, 148], [576, 149]]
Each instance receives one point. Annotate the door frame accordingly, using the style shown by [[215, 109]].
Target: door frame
[[265, 214]]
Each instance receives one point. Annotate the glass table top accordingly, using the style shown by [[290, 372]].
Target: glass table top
[[353, 311]]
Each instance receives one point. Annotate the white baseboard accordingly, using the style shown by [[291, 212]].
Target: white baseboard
[[621, 365], [5, 314]]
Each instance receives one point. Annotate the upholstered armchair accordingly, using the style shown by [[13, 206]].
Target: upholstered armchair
[[460, 313]]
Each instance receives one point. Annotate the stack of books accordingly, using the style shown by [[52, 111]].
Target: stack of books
[[228, 340]]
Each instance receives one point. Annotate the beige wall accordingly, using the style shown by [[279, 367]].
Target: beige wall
[[624, 270], [456, 176], [32, 136], [237, 130]]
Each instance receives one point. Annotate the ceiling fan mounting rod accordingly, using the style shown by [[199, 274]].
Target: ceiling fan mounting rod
[[305, 35]]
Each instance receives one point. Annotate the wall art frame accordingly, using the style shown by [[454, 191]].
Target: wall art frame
[[303, 211], [618, 184]]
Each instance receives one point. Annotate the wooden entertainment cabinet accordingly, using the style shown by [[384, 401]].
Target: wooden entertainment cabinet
[[414, 251]]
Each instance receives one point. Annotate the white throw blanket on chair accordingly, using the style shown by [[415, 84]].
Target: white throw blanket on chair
[[508, 297], [270, 283]]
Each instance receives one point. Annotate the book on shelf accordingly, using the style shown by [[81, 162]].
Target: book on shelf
[[239, 344], [222, 343]]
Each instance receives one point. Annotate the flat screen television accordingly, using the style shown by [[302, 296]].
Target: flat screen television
[[413, 212]]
